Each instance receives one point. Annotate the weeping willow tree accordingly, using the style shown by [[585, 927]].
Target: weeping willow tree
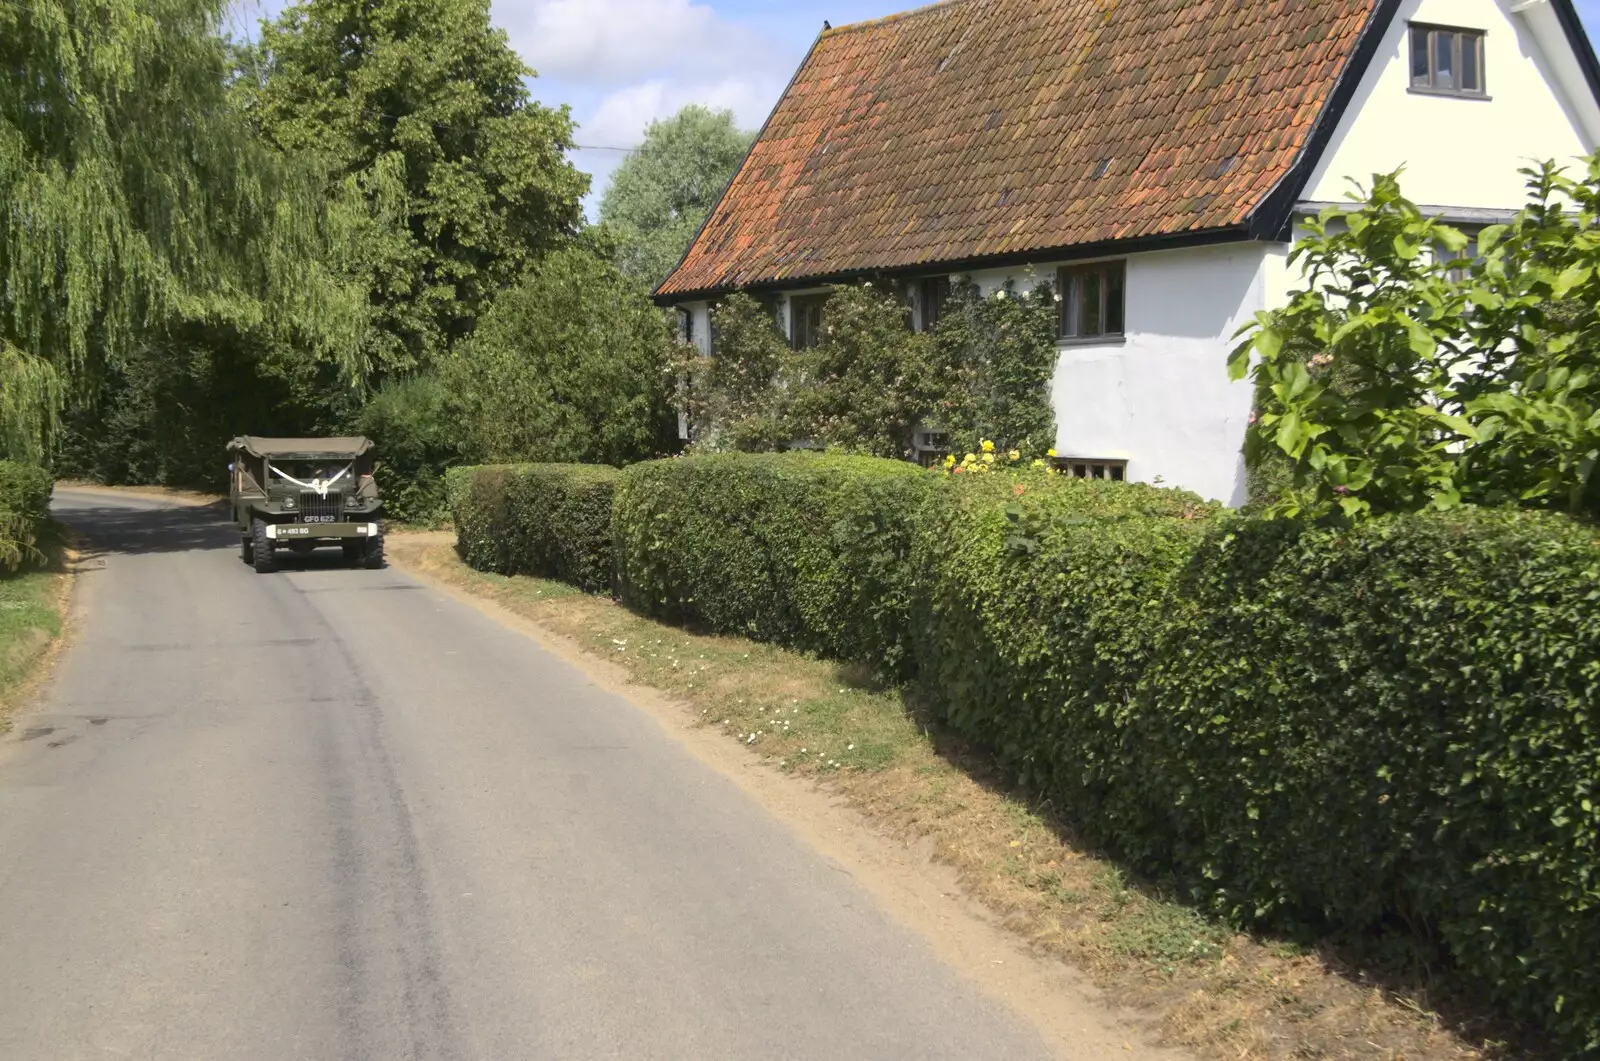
[[137, 201]]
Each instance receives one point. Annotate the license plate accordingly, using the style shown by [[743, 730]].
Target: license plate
[[292, 531], [319, 519]]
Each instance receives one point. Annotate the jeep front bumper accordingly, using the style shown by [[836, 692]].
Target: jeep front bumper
[[288, 532]]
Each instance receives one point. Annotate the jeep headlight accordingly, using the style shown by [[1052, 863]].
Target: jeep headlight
[[288, 502]]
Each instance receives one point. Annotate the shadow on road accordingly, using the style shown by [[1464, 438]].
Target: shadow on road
[[105, 526]]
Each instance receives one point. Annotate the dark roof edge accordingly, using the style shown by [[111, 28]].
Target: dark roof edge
[[1579, 39], [1069, 253], [1273, 217], [782, 96]]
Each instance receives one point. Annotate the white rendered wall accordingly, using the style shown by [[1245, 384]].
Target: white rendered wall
[[1457, 151], [1161, 398]]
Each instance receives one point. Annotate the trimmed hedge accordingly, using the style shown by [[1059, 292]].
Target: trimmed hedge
[[552, 520], [807, 550], [24, 510], [1396, 722], [1036, 620], [1392, 723]]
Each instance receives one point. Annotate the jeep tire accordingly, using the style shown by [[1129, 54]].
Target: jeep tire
[[261, 548], [372, 559], [247, 548]]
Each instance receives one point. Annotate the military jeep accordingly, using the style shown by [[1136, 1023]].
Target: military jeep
[[301, 493]]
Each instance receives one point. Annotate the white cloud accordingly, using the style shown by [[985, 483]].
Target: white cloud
[[621, 117], [615, 41]]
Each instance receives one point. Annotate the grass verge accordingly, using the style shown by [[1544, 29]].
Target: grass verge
[[32, 612], [1217, 992]]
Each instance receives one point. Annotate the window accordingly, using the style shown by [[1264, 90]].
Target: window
[[686, 326], [929, 446], [1092, 300], [805, 320], [932, 294], [1447, 61], [1091, 468]]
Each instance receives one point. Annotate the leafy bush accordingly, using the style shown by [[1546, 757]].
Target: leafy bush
[[807, 550], [1039, 600], [984, 372], [573, 364], [416, 428], [24, 510], [536, 519], [1400, 378], [736, 398], [1409, 735], [1391, 723], [993, 359]]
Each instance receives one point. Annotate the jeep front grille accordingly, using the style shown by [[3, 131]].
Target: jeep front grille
[[315, 509]]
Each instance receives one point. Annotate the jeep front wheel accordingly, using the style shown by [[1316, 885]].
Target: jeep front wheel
[[373, 559], [261, 549]]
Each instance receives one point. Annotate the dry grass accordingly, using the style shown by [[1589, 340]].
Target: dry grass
[[1222, 994]]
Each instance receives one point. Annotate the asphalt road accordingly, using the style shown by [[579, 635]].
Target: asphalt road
[[333, 814]]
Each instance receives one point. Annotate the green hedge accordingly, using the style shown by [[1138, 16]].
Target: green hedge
[[802, 549], [24, 510], [552, 520], [1340, 728], [1037, 616], [1397, 721]]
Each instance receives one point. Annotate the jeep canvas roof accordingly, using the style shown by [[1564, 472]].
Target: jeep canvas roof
[[331, 448]]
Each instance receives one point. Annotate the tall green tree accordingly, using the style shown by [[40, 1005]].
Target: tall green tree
[[422, 107], [133, 200], [659, 197]]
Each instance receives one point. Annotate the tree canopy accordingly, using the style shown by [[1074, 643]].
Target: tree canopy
[[135, 199], [422, 108], [660, 196]]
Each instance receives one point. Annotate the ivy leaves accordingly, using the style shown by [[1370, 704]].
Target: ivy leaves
[[1401, 378]]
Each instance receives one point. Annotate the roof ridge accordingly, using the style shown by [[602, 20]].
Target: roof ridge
[[898, 16]]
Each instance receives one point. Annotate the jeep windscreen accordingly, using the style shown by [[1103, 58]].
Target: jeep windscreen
[[317, 475]]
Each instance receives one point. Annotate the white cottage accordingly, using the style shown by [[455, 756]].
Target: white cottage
[[1149, 156]]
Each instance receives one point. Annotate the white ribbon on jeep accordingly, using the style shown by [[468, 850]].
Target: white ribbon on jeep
[[318, 485]]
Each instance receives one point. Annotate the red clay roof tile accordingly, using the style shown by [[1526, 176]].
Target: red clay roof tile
[[977, 128]]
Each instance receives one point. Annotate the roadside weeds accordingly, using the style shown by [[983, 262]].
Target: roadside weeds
[[33, 613], [1217, 992]]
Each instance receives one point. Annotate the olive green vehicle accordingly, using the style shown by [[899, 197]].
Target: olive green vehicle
[[301, 493]]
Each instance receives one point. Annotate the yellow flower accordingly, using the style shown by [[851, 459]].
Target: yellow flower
[[970, 458], [1049, 453], [1038, 464], [1014, 455], [950, 460], [988, 458], [988, 447]]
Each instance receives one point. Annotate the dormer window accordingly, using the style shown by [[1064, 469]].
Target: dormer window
[[1447, 61]]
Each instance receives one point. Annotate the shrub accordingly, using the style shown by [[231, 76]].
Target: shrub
[[24, 510], [1039, 600], [572, 364], [802, 549], [418, 436], [552, 520], [1335, 728], [1393, 722]]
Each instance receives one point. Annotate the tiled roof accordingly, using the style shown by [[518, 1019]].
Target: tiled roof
[[987, 128]]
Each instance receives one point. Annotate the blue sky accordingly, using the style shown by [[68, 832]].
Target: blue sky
[[622, 63]]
